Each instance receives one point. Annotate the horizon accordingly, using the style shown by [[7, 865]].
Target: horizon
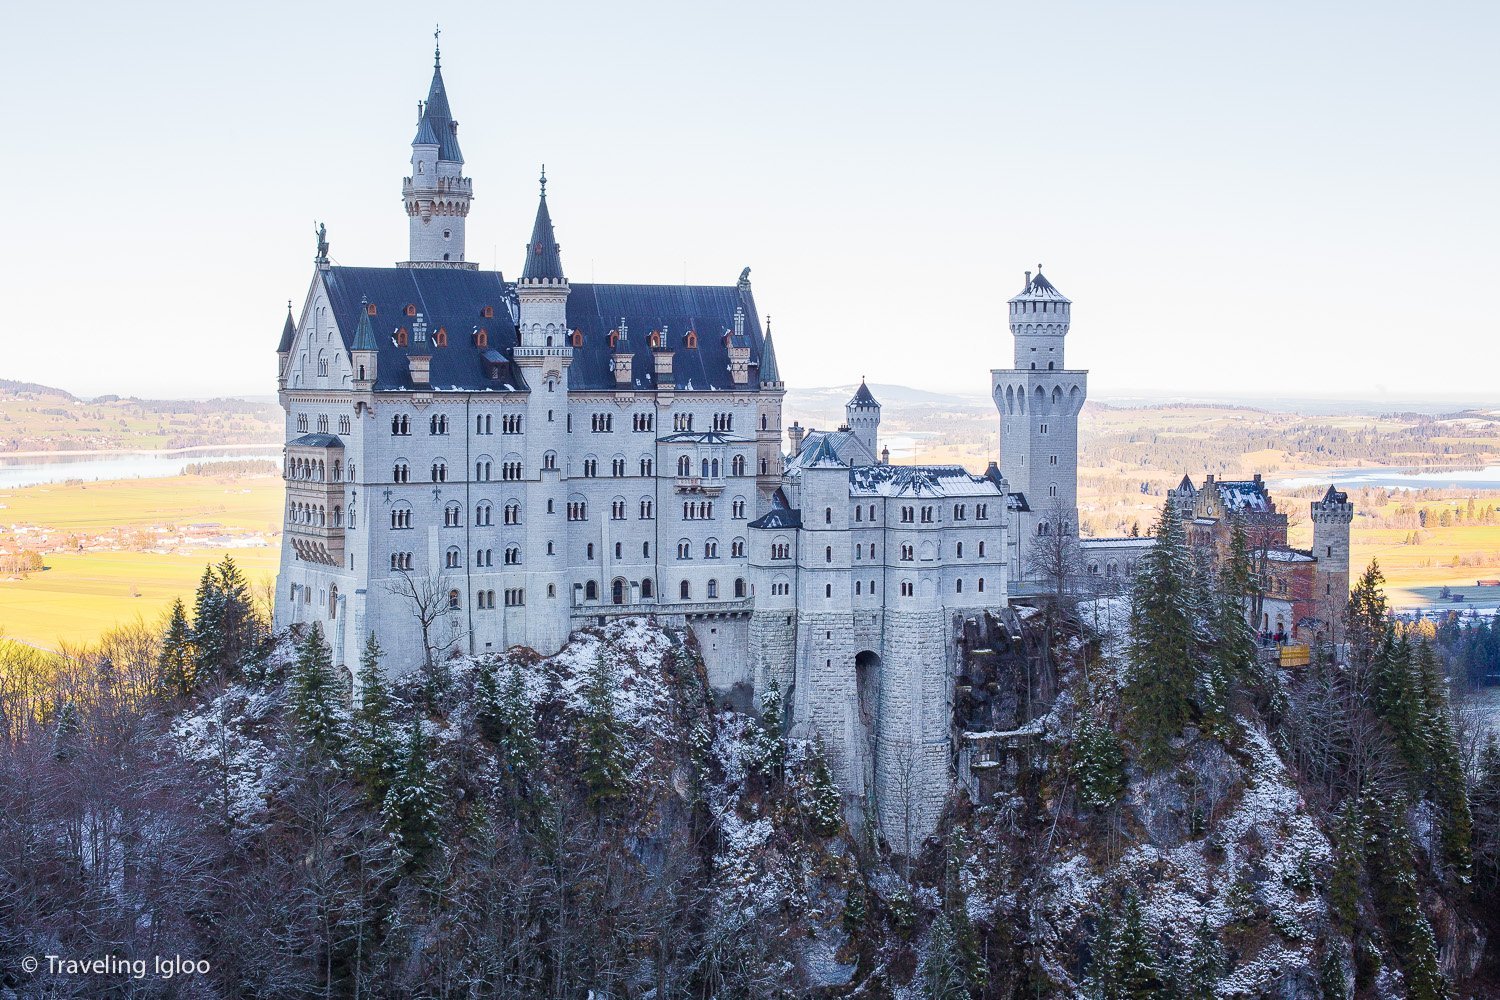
[[1275, 201]]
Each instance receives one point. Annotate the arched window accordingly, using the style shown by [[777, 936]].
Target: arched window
[[685, 590], [739, 587], [401, 336], [691, 340], [646, 590], [713, 589], [684, 466], [452, 600], [591, 591]]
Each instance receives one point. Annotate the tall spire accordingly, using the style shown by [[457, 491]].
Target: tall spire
[[288, 331], [543, 256], [436, 193], [768, 370], [436, 125]]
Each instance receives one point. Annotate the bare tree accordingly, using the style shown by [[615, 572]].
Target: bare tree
[[428, 594], [1054, 558]]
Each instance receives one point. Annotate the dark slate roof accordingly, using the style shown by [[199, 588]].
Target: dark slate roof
[[364, 333], [437, 124], [317, 441], [779, 517], [671, 310], [446, 298], [1186, 486], [543, 255], [1335, 495], [288, 332], [1017, 502], [822, 454], [768, 369], [453, 299], [863, 397]]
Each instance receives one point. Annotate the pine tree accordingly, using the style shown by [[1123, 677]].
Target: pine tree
[[820, 798], [1137, 966], [603, 751], [1366, 618], [208, 628], [1348, 865], [1234, 642], [237, 616], [1447, 784], [1162, 646], [1332, 979], [413, 806], [374, 743], [65, 731], [1392, 858], [771, 746], [507, 721], [1206, 964], [316, 715], [1103, 982], [942, 970], [1098, 762], [174, 663]]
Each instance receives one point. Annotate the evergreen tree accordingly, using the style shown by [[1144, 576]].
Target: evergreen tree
[[1137, 966], [65, 732], [820, 798], [1485, 803], [1348, 865], [604, 769], [1234, 640], [1098, 762], [1333, 981], [942, 970], [1162, 646], [507, 721], [1392, 859], [771, 747], [1103, 982], [1206, 964], [1447, 784], [175, 662], [1366, 618], [316, 714], [208, 628], [237, 616], [374, 741], [413, 805]]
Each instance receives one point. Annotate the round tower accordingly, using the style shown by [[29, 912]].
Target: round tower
[[1331, 517], [437, 195], [862, 414], [1039, 400]]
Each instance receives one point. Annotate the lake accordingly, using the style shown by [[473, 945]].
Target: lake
[[32, 470], [1487, 478]]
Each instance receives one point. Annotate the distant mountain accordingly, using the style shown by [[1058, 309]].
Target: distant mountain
[[14, 388]]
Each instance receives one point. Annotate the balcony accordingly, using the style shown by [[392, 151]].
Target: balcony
[[706, 486]]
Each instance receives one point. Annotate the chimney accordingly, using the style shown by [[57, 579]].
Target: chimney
[[795, 434], [420, 370], [885, 456]]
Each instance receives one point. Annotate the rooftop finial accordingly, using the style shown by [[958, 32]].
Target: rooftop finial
[[437, 46], [1039, 269], [544, 180]]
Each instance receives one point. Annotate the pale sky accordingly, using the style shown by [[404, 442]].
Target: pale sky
[[1269, 197]]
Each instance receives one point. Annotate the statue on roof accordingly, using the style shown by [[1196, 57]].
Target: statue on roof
[[745, 276], [322, 233]]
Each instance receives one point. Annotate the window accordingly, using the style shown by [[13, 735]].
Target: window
[[737, 508], [1041, 428], [959, 550], [323, 367], [440, 472], [401, 424], [578, 510], [781, 550], [981, 512], [401, 561], [907, 553], [907, 590], [739, 587], [591, 591], [512, 513], [510, 471], [483, 513], [959, 586], [452, 559], [763, 467], [617, 467], [1051, 459], [737, 465], [437, 424], [684, 549], [827, 590], [515, 597], [510, 423], [590, 552], [590, 468], [322, 423], [648, 510], [981, 584], [645, 550], [549, 460], [1052, 490], [617, 510], [646, 467], [713, 589], [512, 555], [401, 517], [302, 423], [452, 515], [484, 557], [685, 590], [684, 466], [711, 549], [828, 553], [926, 515], [908, 515], [343, 425], [827, 515], [960, 512], [646, 588], [643, 421], [857, 586], [737, 548]]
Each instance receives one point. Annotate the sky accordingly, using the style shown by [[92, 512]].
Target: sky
[[1271, 198]]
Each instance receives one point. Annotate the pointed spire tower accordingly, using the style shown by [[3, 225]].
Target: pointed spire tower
[[862, 414], [543, 288], [437, 195], [284, 346]]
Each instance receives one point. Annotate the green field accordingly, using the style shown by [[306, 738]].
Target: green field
[[82, 593]]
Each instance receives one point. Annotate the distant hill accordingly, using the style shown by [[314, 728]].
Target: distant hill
[[13, 388]]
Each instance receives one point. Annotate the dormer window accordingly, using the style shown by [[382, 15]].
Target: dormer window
[[411, 310], [370, 308], [488, 312], [691, 340], [614, 338], [654, 340], [401, 337], [482, 338], [577, 338], [440, 338]]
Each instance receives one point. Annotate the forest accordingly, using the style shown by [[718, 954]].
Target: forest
[[1181, 818]]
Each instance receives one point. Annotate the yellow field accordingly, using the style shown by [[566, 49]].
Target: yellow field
[[81, 594]]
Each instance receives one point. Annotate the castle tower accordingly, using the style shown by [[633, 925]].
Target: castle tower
[[543, 358], [769, 462], [437, 195], [1039, 400], [1331, 517], [862, 414]]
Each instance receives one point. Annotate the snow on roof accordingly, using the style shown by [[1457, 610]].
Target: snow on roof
[[919, 481]]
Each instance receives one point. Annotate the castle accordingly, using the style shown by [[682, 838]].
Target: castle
[[474, 463]]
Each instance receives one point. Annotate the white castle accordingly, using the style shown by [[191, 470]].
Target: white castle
[[511, 460]]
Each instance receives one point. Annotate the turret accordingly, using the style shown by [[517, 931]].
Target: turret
[[284, 346], [862, 414], [794, 436], [1331, 517], [543, 288], [437, 195], [1039, 319], [364, 351]]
